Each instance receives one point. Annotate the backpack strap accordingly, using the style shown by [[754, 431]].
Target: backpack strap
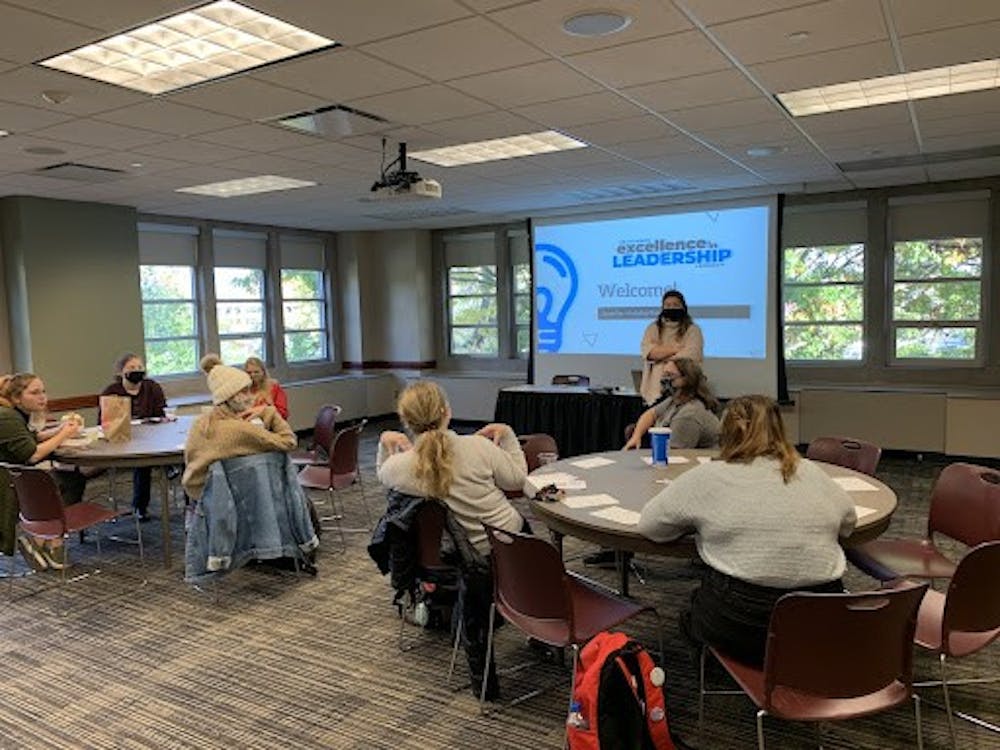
[[636, 665]]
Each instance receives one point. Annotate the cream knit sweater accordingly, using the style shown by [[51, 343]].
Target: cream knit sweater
[[221, 434]]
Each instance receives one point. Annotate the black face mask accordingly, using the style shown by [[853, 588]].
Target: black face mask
[[672, 314], [135, 377], [667, 387]]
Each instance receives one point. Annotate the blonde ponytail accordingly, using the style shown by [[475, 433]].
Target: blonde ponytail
[[752, 427], [433, 469], [423, 408]]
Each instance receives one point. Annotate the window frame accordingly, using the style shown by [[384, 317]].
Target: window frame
[[321, 301], [265, 334], [196, 337]]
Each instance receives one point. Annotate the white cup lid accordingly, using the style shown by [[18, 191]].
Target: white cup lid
[[660, 430]]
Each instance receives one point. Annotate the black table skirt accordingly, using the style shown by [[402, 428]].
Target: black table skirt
[[580, 422]]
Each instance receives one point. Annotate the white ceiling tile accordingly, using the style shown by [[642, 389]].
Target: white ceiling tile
[[17, 118], [247, 98], [867, 138], [102, 134], [894, 176], [26, 36], [258, 137], [950, 47], [195, 152], [957, 105], [758, 134], [918, 17], [484, 126], [694, 91], [831, 24], [457, 49], [657, 147], [541, 22], [717, 11], [353, 22], [166, 117], [484, 6], [676, 56], [872, 150], [26, 84], [126, 160], [826, 186], [330, 153], [340, 74], [107, 15], [528, 84], [580, 110], [884, 115], [953, 126], [742, 112], [609, 133], [824, 68], [421, 105], [961, 142]]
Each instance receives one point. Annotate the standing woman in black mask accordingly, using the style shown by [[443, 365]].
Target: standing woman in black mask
[[147, 401], [673, 334]]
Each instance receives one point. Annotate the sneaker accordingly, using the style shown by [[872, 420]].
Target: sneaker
[[55, 557], [31, 553], [142, 514]]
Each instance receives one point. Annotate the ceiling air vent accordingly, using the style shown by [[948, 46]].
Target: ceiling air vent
[[69, 170], [919, 160], [334, 121]]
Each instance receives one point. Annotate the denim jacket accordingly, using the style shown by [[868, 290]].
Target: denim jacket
[[253, 508]]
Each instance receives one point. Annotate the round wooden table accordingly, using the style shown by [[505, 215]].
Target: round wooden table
[[153, 445], [631, 480]]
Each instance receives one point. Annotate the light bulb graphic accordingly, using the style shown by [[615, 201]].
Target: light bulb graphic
[[558, 282]]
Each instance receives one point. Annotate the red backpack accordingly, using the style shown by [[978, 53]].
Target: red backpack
[[618, 701]]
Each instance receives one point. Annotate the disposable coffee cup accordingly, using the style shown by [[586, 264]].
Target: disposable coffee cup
[[659, 439]]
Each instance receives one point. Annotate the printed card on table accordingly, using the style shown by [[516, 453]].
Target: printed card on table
[[855, 484], [670, 459], [862, 512], [590, 501], [618, 514], [591, 463]]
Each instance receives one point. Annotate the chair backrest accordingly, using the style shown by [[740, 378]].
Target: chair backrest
[[528, 576], [842, 645], [344, 449], [37, 494], [428, 523], [326, 419], [570, 380], [972, 604], [965, 504], [844, 451], [534, 444]]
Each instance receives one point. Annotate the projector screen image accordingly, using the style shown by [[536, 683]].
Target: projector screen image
[[599, 284]]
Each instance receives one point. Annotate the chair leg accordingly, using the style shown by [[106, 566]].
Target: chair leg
[[364, 502], [947, 702], [916, 716], [486, 664], [572, 686], [454, 650], [760, 729], [142, 548], [701, 697]]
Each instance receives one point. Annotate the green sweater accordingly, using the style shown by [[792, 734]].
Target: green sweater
[[17, 445]]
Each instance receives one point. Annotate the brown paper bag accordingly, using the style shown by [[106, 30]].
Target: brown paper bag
[[116, 418]]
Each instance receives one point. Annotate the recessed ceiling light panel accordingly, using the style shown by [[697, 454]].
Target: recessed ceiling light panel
[[596, 23], [921, 84], [529, 144], [267, 183], [191, 47]]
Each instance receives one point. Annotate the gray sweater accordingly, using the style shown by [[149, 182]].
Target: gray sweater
[[750, 525], [482, 471], [691, 424]]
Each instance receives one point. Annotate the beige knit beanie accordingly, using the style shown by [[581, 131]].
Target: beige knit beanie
[[223, 381]]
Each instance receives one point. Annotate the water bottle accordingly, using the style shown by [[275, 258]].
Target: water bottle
[[421, 614], [576, 718]]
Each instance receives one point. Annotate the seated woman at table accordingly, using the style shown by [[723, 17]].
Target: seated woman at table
[[266, 390], [23, 397], [688, 409], [231, 428], [469, 473], [147, 401], [766, 522]]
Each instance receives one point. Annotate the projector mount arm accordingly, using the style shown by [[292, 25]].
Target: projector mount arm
[[397, 178]]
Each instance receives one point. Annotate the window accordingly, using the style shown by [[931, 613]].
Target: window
[[936, 298], [303, 299], [472, 310], [824, 302], [517, 244], [167, 288], [240, 302]]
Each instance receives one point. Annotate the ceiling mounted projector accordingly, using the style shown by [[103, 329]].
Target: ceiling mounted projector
[[400, 184]]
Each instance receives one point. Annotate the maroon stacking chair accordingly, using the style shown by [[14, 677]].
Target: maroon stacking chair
[[323, 431], [844, 451], [535, 444], [340, 471], [831, 657], [962, 622], [43, 516], [965, 507], [535, 593], [582, 380]]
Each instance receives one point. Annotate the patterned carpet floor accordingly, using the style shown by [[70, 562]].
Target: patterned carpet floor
[[266, 659]]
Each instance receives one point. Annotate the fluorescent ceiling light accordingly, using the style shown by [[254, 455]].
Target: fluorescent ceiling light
[[922, 84], [267, 183], [194, 46], [515, 146]]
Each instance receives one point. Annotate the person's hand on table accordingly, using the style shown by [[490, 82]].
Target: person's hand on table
[[633, 442], [494, 431], [395, 442]]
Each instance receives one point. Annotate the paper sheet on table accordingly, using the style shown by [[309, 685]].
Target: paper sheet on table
[[855, 484], [590, 501], [663, 481], [618, 515], [862, 512], [591, 463], [560, 479], [704, 459], [670, 459]]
